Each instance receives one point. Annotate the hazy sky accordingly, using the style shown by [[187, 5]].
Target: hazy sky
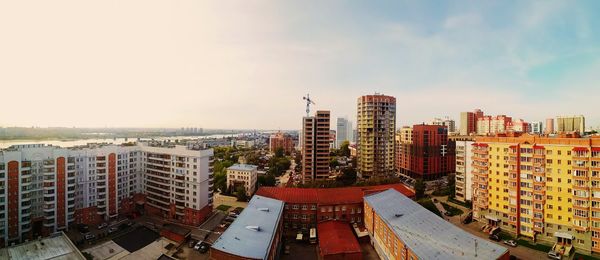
[[247, 64]]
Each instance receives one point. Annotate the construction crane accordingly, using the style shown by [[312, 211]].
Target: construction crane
[[308, 102]]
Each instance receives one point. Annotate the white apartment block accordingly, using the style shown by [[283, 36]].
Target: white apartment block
[[44, 189], [464, 191], [242, 174]]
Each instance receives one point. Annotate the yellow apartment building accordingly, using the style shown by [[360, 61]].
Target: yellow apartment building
[[543, 188]]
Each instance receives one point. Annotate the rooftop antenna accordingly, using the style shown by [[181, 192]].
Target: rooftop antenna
[[308, 102]]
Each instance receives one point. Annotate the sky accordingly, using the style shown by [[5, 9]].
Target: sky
[[247, 64]]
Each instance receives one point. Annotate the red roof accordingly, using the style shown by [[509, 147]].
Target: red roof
[[336, 237], [328, 196], [580, 149]]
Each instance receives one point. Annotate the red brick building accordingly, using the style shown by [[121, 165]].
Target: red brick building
[[281, 140], [305, 207], [430, 155]]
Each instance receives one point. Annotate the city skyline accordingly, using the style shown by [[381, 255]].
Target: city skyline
[[247, 65]]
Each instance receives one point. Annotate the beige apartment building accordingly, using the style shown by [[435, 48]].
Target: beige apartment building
[[244, 175], [376, 122]]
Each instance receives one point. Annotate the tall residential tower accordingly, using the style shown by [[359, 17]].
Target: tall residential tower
[[315, 146], [376, 122]]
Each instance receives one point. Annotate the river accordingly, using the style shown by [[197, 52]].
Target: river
[[71, 143]]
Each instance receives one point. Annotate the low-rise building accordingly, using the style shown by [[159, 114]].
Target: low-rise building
[[402, 229], [255, 234], [336, 241], [242, 175], [304, 207], [56, 246]]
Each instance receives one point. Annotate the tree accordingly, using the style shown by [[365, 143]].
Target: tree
[[348, 177], [419, 189], [266, 180], [451, 185], [344, 149], [240, 193], [279, 152], [334, 163], [220, 181]]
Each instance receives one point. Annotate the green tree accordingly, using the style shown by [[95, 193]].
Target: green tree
[[419, 189], [348, 177], [240, 193], [334, 162], [451, 185], [344, 149], [220, 181], [267, 180], [279, 152]]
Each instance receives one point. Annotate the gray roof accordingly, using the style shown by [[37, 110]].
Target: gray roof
[[57, 246], [426, 234], [242, 167], [240, 239]]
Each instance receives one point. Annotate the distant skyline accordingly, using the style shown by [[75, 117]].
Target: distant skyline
[[247, 64]]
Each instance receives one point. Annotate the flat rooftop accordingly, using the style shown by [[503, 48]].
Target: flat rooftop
[[426, 234], [243, 167], [251, 234], [56, 247]]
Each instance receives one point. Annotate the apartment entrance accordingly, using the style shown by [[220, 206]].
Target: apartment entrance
[[564, 243]]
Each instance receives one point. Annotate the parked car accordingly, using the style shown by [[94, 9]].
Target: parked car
[[554, 255], [510, 243], [197, 246], [103, 225], [204, 248], [89, 236], [494, 237], [192, 243], [112, 230], [83, 228]]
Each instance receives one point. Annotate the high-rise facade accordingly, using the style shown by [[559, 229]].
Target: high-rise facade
[[430, 155], [537, 128], [449, 123], [283, 141], [45, 189], [344, 131], [468, 122], [544, 188], [463, 177], [490, 125], [376, 123], [403, 141], [570, 124], [315, 146], [549, 126]]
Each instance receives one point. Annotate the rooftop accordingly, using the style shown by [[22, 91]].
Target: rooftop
[[243, 167], [336, 237], [57, 246], [426, 234], [252, 233], [328, 196]]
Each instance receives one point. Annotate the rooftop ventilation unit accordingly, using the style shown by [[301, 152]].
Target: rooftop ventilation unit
[[399, 215], [253, 228], [264, 209]]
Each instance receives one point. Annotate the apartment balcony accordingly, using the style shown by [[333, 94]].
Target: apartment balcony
[[157, 205]]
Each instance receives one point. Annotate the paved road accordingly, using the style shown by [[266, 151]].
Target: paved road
[[208, 226]]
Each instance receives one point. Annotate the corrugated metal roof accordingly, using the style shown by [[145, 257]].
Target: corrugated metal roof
[[426, 234], [242, 239], [328, 196]]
